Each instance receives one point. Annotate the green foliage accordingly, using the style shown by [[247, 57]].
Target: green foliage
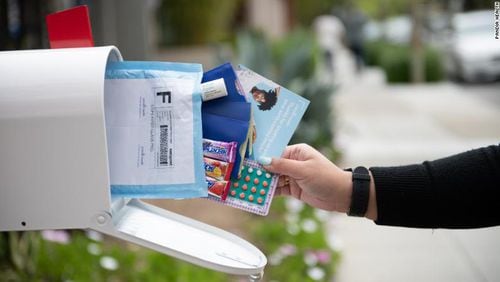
[[183, 22], [381, 9], [21, 248], [51, 261], [395, 59], [434, 69], [306, 11], [283, 230], [373, 51], [295, 56], [254, 51]]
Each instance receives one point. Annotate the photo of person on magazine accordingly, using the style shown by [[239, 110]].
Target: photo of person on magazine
[[266, 99]]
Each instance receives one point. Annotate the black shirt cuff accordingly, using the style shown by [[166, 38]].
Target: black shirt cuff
[[404, 196]]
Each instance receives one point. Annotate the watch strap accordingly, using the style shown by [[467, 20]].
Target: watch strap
[[360, 191]]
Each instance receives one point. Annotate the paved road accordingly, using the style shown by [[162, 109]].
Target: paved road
[[489, 92], [378, 124]]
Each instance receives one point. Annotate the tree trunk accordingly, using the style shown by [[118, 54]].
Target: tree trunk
[[417, 63]]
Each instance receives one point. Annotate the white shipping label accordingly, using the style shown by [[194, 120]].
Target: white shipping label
[[149, 126]]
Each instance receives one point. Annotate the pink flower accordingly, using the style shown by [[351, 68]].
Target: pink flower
[[287, 250], [323, 256], [58, 236]]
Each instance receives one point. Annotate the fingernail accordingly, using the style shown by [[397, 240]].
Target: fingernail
[[265, 160]]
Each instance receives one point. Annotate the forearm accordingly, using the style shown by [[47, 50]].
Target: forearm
[[460, 191]]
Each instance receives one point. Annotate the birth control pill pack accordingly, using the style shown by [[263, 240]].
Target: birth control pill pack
[[253, 190]]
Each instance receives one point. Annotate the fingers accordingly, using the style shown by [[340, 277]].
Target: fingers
[[293, 168], [291, 161], [283, 180], [282, 191], [283, 187], [290, 188], [292, 152]]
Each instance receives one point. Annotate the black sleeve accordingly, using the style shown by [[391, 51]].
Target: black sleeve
[[461, 191]]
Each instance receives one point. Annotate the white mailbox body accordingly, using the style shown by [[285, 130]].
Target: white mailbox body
[[54, 164]]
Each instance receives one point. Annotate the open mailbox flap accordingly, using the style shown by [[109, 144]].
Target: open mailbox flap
[[184, 238]]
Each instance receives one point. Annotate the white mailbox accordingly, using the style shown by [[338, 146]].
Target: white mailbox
[[54, 166]]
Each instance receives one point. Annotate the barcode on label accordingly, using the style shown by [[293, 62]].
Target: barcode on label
[[165, 150], [162, 137]]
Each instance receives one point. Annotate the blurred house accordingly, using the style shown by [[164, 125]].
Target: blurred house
[[131, 25], [125, 23], [270, 16]]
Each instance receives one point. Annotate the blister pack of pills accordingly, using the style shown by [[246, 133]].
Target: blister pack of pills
[[253, 190]]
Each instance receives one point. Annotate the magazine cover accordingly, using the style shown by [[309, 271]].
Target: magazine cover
[[276, 110]]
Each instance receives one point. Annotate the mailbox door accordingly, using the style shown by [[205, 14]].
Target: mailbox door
[[183, 238]]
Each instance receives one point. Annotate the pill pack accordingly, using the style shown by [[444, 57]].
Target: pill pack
[[253, 190]]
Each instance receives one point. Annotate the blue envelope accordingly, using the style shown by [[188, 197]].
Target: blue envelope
[[227, 118], [233, 86]]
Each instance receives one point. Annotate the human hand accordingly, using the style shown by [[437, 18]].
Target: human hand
[[309, 176]]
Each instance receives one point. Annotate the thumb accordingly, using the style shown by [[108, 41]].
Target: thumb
[[292, 168]]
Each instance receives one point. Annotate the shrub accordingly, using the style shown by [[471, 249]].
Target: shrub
[[373, 51], [395, 60], [294, 238], [29, 257], [434, 69], [182, 22]]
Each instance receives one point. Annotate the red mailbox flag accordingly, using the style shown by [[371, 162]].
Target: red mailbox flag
[[70, 28]]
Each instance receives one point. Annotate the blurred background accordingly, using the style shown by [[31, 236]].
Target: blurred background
[[391, 82]]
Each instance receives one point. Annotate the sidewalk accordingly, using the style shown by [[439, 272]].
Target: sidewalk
[[378, 124]]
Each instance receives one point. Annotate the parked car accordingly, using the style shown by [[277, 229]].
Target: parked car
[[473, 53]]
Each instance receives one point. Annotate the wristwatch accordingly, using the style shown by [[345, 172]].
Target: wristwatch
[[360, 191]]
